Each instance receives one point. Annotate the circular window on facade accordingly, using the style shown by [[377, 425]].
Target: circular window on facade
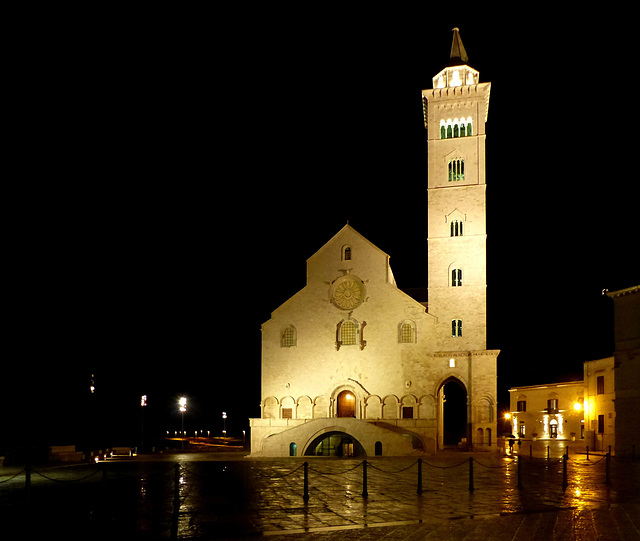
[[347, 292]]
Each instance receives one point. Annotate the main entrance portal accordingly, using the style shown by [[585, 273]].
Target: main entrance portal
[[346, 404], [453, 413]]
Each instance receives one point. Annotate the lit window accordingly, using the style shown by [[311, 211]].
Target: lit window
[[521, 429], [452, 363], [456, 328], [456, 277], [457, 228]]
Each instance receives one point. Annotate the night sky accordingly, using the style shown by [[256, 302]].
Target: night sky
[[173, 173]]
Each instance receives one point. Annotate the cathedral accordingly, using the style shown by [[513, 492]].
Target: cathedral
[[352, 365]]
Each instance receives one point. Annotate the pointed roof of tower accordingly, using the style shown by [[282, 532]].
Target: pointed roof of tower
[[458, 54]]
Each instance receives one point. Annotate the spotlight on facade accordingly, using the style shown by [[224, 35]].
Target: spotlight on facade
[[577, 406]]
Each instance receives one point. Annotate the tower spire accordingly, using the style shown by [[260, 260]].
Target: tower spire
[[458, 54]]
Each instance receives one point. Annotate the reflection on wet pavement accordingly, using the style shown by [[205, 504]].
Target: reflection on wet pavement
[[196, 499]]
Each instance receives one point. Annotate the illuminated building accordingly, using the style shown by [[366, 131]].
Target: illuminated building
[[599, 411], [353, 365], [552, 411]]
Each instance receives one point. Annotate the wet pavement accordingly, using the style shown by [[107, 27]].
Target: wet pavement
[[205, 496]]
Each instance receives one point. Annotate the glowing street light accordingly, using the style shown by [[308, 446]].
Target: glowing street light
[[182, 403], [224, 424], [577, 406]]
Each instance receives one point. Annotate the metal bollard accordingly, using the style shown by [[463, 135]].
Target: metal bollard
[[305, 496], [566, 452], [530, 453], [519, 475], [419, 476], [607, 479], [365, 492], [471, 487], [565, 482], [587, 452], [176, 484], [27, 483], [547, 452]]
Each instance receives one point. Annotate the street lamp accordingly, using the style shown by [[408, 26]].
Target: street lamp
[[143, 403], [224, 424], [182, 403]]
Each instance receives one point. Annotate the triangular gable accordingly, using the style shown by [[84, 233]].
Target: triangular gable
[[346, 228]]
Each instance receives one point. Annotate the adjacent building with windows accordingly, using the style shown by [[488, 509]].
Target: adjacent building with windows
[[582, 411], [353, 365], [551, 411], [605, 403]]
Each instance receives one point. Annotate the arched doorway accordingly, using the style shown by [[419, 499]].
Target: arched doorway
[[346, 404], [453, 413], [335, 444]]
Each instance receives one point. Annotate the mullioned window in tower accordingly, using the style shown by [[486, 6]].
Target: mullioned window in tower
[[457, 228], [456, 170], [457, 127]]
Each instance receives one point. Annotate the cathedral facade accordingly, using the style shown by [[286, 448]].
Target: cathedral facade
[[351, 365]]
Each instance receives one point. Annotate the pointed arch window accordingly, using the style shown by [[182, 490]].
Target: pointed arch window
[[346, 253], [457, 228]]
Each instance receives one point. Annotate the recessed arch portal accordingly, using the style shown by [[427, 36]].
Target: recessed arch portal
[[452, 413], [335, 444], [346, 404]]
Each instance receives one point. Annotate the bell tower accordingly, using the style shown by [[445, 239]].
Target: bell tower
[[455, 112]]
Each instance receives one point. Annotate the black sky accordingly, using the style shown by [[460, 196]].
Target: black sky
[[171, 173]]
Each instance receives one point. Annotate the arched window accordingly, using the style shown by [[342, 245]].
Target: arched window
[[457, 228], [469, 128], [456, 130], [443, 131], [456, 328], [407, 332], [456, 277], [293, 449], [346, 253], [289, 337], [378, 448], [449, 131], [462, 129]]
